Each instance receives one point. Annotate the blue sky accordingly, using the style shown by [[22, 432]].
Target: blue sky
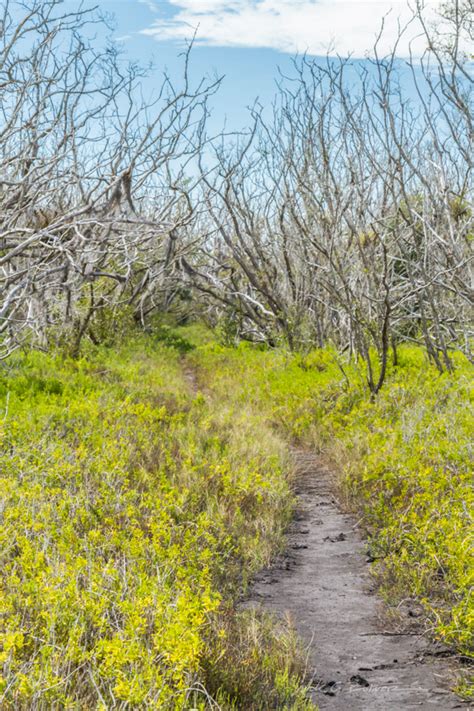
[[248, 40]]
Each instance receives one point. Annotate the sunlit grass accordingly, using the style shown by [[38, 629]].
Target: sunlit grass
[[405, 460], [133, 510]]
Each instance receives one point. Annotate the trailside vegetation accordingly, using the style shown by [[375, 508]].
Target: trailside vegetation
[[405, 461], [133, 511]]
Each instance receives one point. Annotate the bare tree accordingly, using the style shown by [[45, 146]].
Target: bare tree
[[347, 215], [95, 186], [344, 215]]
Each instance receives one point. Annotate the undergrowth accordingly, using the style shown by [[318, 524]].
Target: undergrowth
[[132, 512], [405, 458]]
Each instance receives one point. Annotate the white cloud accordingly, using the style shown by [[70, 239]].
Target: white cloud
[[152, 6], [313, 26]]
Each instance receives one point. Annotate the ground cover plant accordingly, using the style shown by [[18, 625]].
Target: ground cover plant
[[132, 510], [405, 459]]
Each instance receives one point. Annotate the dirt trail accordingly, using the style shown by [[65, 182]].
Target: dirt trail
[[323, 583], [190, 377]]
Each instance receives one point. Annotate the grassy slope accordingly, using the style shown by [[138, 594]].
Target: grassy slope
[[131, 510], [405, 459]]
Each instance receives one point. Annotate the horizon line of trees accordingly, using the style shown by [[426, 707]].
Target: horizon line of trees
[[343, 215]]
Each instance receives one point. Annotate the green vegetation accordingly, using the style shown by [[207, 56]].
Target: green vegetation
[[405, 460], [133, 511], [137, 503]]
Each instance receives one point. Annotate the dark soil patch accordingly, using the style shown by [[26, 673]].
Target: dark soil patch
[[323, 583]]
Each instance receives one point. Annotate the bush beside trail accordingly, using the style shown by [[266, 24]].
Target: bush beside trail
[[133, 511]]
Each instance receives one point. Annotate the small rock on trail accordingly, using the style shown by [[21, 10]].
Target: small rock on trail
[[323, 583]]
